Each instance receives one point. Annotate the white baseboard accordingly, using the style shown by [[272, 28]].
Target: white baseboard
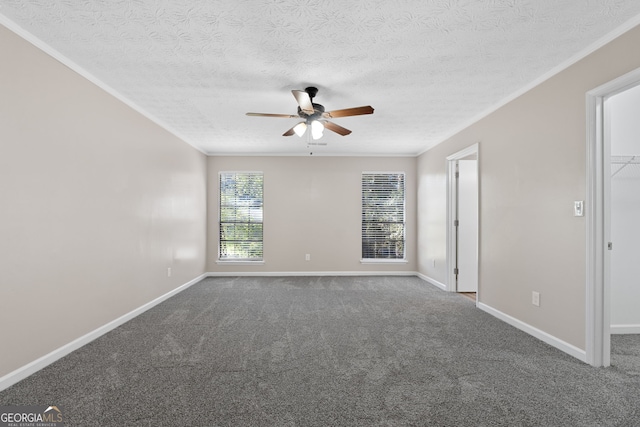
[[326, 273], [21, 373], [541, 335], [308, 273], [624, 329], [434, 282]]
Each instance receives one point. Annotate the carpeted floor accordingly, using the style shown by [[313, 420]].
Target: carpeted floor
[[330, 351]]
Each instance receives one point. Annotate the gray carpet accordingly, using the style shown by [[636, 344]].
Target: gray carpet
[[330, 351]]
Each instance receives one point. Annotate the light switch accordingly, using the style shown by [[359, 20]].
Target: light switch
[[578, 208]]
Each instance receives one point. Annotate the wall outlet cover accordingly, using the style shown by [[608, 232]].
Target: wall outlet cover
[[535, 298]]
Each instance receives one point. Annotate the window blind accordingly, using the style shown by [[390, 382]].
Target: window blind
[[383, 226], [241, 214]]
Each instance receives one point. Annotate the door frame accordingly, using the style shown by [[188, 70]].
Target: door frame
[[598, 287], [452, 204]]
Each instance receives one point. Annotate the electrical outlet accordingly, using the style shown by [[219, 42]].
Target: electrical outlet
[[307, 257], [168, 271], [535, 298]]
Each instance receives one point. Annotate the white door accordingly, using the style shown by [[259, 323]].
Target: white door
[[467, 226]]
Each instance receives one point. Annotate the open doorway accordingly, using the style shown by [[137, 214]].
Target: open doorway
[[462, 220], [621, 113], [612, 208]]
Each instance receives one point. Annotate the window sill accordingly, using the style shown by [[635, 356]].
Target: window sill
[[383, 261], [239, 262]]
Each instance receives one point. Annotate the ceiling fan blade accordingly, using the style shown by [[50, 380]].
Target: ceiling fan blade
[[336, 128], [289, 132], [357, 111], [286, 116], [304, 101]]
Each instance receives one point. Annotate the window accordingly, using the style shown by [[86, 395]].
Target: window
[[241, 204], [383, 215]]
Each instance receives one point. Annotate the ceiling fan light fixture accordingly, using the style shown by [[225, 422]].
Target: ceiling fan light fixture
[[316, 129], [300, 128], [314, 115]]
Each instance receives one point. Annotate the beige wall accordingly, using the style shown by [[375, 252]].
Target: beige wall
[[96, 203], [312, 205], [532, 167]]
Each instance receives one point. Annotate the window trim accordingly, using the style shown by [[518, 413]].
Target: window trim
[[241, 261], [238, 261], [404, 259], [385, 260]]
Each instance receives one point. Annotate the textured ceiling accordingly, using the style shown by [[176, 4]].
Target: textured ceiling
[[427, 67]]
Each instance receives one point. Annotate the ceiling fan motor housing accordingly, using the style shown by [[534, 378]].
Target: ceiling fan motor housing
[[317, 112]]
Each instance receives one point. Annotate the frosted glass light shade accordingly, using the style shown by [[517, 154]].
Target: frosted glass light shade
[[316, 129], [300, 128]]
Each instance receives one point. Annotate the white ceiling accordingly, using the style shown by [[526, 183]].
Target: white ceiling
[[427, 67]]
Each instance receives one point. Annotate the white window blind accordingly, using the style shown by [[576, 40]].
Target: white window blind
[[383, 227], [241, 211]]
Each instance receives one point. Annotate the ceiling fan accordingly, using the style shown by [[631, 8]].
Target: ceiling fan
[[314, 116]]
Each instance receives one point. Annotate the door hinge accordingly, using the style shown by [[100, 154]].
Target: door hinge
[[457, 174], [456, 222], [455, 271]]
